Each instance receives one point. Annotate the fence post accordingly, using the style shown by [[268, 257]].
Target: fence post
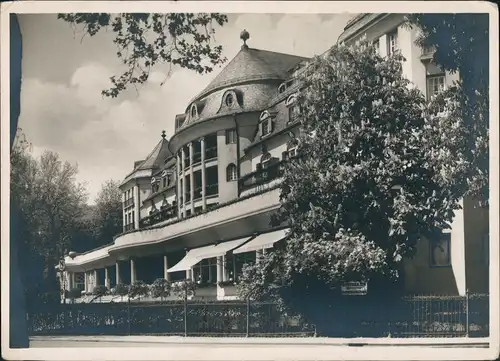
[[185, 314], [248, 317], [128, 315], [467, 313]]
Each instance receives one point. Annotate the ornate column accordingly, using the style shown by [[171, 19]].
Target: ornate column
[[203, 175], [179, 187], [188, 272], [107, 281], [220, 266], [136, 207], [123, 209], [166, 275], [183, 157], [118, 278], [133, 274], [224, 269], [191, 178], [96, 278], [210, 276]]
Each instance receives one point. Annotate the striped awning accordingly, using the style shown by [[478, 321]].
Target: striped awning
[[197, 255], [262, 241]]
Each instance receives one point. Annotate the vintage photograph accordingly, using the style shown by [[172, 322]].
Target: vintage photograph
[[278, 176]]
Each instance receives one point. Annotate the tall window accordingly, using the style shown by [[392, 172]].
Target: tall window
[[266, 124], [392, 42], [231, 136], [231, 173], [440, 251], [435, 85]]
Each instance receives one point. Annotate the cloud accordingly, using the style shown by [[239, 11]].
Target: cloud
[[105, 136]]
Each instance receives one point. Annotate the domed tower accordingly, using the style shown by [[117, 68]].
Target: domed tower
[[220, 122]]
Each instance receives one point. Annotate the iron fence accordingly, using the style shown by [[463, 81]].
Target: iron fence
[[351, 316]]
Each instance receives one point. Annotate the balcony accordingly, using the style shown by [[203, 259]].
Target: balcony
[[259, 179], [128, 203], [212, 190], [159, 216], [129, 227], [211, 153], [428, 53]]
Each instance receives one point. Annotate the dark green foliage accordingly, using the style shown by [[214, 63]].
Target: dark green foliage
[[138, 289], [146, 40], [461, 43], [161, 288], [99, 290], [379, 168], [121, 289]]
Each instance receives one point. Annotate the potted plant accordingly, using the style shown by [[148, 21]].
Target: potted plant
[[121, 290], [138, 289], [161, 288]]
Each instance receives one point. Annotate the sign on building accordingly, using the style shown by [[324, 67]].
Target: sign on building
[[354, 288]]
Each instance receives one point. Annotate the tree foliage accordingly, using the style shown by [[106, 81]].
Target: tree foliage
[[368, 183], [49, 202], [161, 288], [107, 214], [146, 40], [461, 43]]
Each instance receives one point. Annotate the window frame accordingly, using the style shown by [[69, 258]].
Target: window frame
[[432, 78], [265, 122], [392, 34], [432, 246], [231, 172], [231, 136]]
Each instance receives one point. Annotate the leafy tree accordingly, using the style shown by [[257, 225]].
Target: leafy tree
[[138, 289], [49, 201], [366, 186], [461, 43], [161, 288], [146, 40], [107, 215]]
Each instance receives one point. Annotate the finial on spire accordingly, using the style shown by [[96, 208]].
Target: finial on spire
[[244, 35], [163, 135]]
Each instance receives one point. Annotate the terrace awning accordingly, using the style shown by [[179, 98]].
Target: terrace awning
[[262, 241], [197, 255]]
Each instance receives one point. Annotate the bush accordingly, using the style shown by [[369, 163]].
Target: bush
[[99, 290], [184, 288], [138, 289], [121, 289], [161, 288], [74, 293]]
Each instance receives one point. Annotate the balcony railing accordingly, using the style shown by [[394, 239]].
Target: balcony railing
[[427, 53], [128, 203], [211, 153], [260, 177], [212, 190], [159, 216], [196, 157], [129, 227]]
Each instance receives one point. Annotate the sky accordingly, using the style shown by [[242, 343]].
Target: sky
[[62, 109]]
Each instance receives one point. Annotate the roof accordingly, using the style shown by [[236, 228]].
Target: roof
[[253, 64], [157, 156]]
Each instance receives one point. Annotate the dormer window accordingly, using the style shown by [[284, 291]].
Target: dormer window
[[229, 100], [155, 185], [194, 111], [294, 108], [282, 88], [266, 124]]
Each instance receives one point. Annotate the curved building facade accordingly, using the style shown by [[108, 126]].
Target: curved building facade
[[199, 205]]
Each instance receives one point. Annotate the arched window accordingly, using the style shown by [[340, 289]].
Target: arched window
[[231, 173], [294, 108], [194, 111], [282, 88], [266, 123], [229, 100]]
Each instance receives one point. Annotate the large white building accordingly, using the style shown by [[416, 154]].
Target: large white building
[[199, 205]]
